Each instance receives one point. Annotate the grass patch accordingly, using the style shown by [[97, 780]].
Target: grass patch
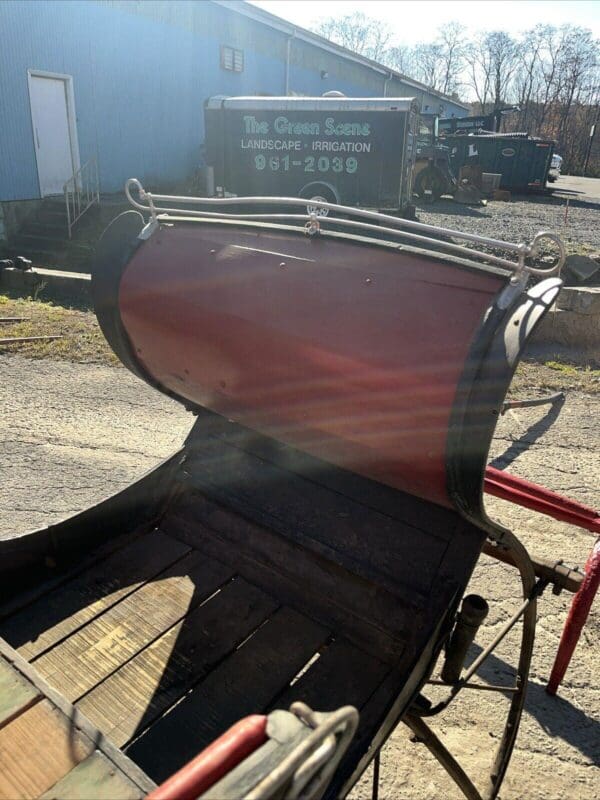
[[534, 377], [82, 340], [567, 369]]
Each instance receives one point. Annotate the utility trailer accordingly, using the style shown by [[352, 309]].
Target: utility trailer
[[354, 151]]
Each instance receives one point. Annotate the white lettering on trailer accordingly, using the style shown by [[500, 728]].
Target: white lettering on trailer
[[284, 125], [252, 125], [342, 147], [271, 144]]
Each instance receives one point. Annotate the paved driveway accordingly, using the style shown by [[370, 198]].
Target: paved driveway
[[579, 188]]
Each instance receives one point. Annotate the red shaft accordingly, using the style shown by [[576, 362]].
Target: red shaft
[[215, 761], [578, 614], [532, 495], [538, 498]]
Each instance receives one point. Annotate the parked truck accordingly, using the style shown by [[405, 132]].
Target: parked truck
[[352, 151]]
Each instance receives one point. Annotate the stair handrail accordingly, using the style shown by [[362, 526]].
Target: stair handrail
[[81, 191]]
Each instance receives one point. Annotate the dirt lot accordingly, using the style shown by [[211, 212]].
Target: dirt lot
[[73, 433]]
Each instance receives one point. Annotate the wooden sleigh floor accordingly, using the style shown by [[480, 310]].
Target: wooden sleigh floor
[[263, 580]]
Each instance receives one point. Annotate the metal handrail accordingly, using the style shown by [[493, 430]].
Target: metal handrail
[[314, 223], [81, 191]]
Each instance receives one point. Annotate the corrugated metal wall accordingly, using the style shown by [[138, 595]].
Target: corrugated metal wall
[[141, 73]]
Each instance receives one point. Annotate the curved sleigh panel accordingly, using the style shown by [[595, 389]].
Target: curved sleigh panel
[[350, 349]]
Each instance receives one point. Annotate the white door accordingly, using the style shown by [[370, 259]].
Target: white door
[[54, 149]]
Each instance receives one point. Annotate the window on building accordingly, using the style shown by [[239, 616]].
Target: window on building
[[232, 59]]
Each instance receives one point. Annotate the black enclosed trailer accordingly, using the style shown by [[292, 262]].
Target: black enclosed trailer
[[353, 151]]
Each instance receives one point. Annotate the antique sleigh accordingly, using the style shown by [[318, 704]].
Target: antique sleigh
[[309, 545]]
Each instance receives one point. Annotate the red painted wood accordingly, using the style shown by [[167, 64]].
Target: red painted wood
[[578, 614], [215, 761], [351, 353], [532, 495]]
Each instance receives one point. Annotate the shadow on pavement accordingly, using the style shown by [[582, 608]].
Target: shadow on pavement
[[530, 436]]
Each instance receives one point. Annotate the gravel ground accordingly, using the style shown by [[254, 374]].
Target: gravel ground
[[521, 218], [73, 433]]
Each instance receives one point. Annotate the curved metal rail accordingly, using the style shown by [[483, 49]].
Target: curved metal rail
[[365, 221]]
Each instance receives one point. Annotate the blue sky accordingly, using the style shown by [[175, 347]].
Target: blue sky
[[411, 20]]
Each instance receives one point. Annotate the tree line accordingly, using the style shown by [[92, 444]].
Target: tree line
[[552, 74]]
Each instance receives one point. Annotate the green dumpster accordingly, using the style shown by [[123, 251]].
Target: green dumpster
[[522, 160]]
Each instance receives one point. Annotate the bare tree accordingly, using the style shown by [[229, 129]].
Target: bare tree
[[361, 34], [451, 43], [479, 71], [429, 68], [503, 60], [528, 78], [401, 58], [552, 74]]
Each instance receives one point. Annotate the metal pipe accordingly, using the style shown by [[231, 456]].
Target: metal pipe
[[523, 250], [425, 735], [500, 636], [556, 572], [537, 401], [385, 84], [376, 768], [287, 61], [480, 686], [473, 611]]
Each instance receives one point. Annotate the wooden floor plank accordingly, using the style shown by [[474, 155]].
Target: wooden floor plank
[[95, 651], [37, 749], [343, 675], [16, 692], [371, 544], [244, 683], [56, 615], [398, 505], [134, 696], [364, 612], [96, 778], [65, 572]]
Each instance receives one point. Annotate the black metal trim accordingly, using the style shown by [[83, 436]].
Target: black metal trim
[[115, 249], [493, 358]]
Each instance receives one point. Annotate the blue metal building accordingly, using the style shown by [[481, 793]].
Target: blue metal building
[[125, 81]]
